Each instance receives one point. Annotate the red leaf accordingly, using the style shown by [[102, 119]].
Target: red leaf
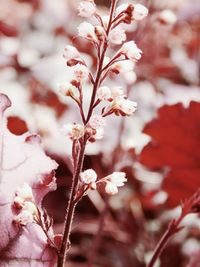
[[175, 144]]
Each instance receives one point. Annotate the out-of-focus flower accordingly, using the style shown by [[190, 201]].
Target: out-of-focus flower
[[88, 176], [111, 189], [70, 52], [97, 122], [131, 51], [24, 192], [117, 36], [87, 9], [113, 181], [104, 93], [87, 30], [122, 66], [81, 72], [23, 218], [117, 92], [100, 33], [67, 89], [130, 77], [73, 131], [167, 17], [139, 12]]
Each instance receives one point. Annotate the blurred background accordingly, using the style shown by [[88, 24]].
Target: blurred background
[[158, 148]]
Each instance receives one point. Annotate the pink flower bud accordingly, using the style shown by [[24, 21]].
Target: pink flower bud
[[88, 176], [87, 9]]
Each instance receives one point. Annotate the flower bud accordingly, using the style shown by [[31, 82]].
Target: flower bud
[[104, 93], [117, 36], [88, 176], [87, 30]]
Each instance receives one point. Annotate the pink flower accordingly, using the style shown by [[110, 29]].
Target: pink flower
[[139, 12], [88, 176], [87, 30], [87, 9], [97, 122], [70, 52], [104, 93], [81, 72], [117, 36], [131, 51], [73, 131]]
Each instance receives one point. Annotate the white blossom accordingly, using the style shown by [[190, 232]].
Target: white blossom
[[97, 121], [104, 93], [73, 131], [121, 8], [127, 106], [99, 134], [117, 178], [81, 72], [87, 9], [88, 176], [24, 192], [117, 36], [131, 51], [70, 52], [117, 92], [87, 30], [167, 16], [123, 66], [139, 12], [111, 189], [24, 217], [67, 89]]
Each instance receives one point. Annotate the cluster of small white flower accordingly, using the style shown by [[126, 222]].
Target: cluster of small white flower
[[24, 205], [111, 182], [108, 32]]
